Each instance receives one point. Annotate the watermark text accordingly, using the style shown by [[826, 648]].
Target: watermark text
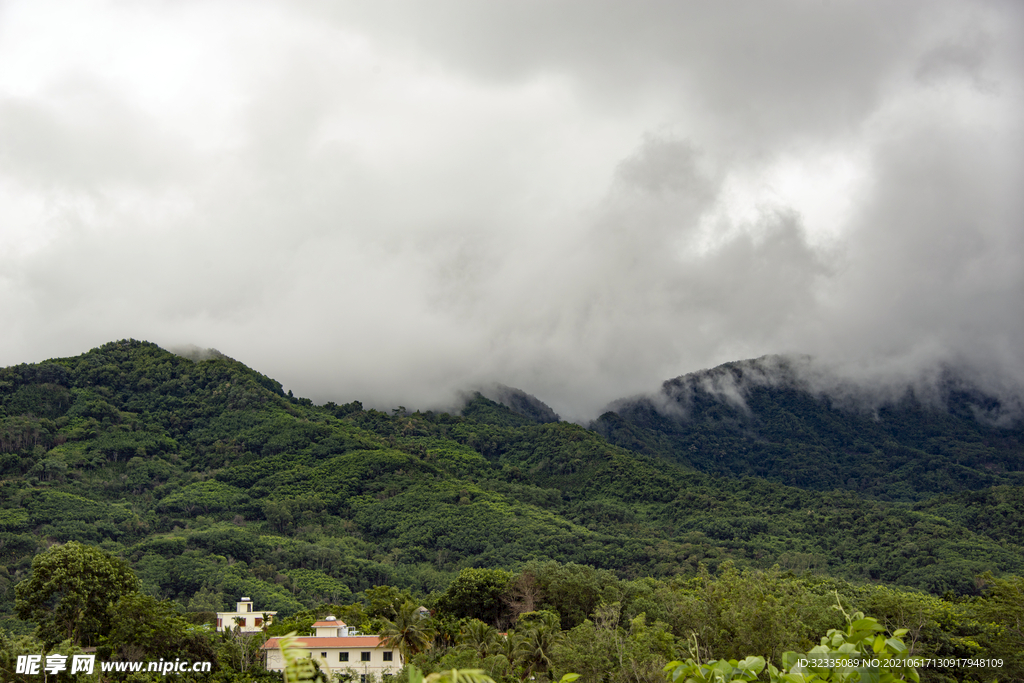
[[86, 664]]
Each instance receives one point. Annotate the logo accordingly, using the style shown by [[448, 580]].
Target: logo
[[33, 664]]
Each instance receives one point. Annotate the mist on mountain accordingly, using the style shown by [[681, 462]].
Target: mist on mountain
[[942, 387], [394, 211], [795, 421]]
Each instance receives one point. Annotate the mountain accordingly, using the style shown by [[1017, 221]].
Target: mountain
[[521, 403], [761, 418], [213, 483]]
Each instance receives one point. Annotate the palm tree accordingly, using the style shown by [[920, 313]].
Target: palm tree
[[504, 651], [410, 632], [537, 643], [478, 636]]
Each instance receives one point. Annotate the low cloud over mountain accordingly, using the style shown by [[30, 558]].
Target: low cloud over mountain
[[386, 203]]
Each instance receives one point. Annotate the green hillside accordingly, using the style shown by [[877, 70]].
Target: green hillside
[[213, 483], [756, 418], [211, 480]]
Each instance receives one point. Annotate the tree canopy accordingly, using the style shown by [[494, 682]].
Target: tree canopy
[[71, 591]]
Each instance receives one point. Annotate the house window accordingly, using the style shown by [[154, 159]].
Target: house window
[[362, 678], [241, 621], [323, 655], [258, 621], [220, 623], [364, 656], [342, 656], [388, 656]]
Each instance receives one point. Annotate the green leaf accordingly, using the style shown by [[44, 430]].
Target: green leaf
[[866, 624], [898, 646], [753, 664]]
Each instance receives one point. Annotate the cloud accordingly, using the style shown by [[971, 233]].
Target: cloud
[[393, 202]]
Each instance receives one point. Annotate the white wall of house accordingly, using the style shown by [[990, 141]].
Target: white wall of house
[[334, 654], [245, 618]]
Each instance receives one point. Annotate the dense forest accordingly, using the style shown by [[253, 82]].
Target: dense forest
[[762, 418], [718, 530]]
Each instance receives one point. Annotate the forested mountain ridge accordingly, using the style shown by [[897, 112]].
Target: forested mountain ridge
[[213, 483], [758, 418]]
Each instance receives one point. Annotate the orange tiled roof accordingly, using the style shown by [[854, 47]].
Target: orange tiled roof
[[313, 642]]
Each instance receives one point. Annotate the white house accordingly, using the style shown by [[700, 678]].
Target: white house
[[244, 618], [336, 650]]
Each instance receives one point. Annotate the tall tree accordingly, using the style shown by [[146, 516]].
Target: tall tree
[[540, 633], [143, 627], [478, 636], [411, 632], [478, 594], [70, 592]]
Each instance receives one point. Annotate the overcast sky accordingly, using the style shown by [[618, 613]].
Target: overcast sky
[[390, 201]]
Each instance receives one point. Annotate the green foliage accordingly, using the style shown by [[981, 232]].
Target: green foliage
[[317, 587], [1001, 615], [155, 446], [479, 637], [298, 667], [573, 591], [450, 676], [537, 635], [239, 652], [481, 409], [608, 649], [203, 498], [142, 627], [720, 421], [71, 591], [717, 671], [410, 631], [45, 400], [857, 653], [213, 484], [478, 594], [745, 611], [11, 646], [385, 601]]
